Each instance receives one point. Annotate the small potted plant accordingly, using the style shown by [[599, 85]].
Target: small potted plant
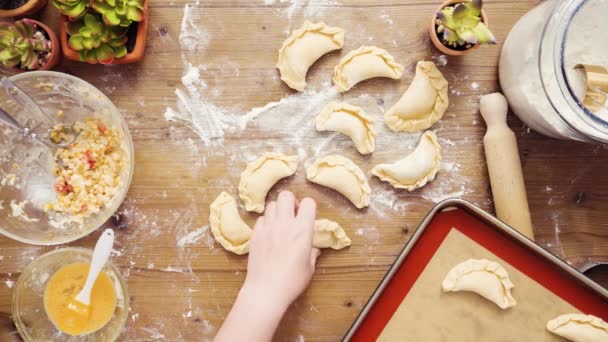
[[103, 31], [28, 45], [458, 27], [20, 8]]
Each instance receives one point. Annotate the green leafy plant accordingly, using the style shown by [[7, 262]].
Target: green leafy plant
[[95, 41], [23, 45], [461, 27], [119, 12], [74, 9]]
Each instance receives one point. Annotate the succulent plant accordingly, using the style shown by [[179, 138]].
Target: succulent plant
[[461, 25], [74, 9], [95, 41], [23, 45], [119, 12]]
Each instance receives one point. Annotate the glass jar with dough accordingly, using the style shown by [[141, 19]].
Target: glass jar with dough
[[542, 69]]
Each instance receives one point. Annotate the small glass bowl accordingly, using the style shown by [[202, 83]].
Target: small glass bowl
[[29, 314]]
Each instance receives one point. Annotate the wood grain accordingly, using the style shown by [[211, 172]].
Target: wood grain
[[173, 186]]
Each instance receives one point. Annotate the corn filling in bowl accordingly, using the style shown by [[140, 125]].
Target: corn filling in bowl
[[88, 175]]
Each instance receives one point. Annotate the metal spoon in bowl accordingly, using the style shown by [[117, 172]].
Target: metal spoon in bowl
[[59, 136]]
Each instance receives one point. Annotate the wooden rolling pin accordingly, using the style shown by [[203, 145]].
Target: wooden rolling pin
[[504, 166]]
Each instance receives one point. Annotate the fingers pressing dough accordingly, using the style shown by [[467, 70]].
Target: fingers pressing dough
[[303, 47], [261, 174], [341, 174], [350, 120], [416, 169], [484, 277], [364, 63], [229, 229], [422, 104]]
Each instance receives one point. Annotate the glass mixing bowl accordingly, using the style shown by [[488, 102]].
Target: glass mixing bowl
[[28, 299], [26, 178]]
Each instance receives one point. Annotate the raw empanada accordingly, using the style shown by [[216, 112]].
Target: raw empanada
[[303, 47], [422, 104], [261, 174], [341, 174], [579, 328], [329, 234], [350, 120], [416, 169], [227, 226], [484, 277], [364, 63]]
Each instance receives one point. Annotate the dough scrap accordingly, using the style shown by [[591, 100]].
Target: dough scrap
[[341, 174], [227, 226], [579, 327], [350, 120], [261, 175], [484, 277], [416, 169], [364, 63], [303, 48], [423, 103], [329, 234]]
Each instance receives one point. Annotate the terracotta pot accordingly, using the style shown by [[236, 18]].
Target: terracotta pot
[[435, 37], [30, 8], [132, 57], [55, 48]]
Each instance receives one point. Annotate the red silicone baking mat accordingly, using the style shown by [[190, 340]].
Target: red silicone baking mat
[[554, 279]]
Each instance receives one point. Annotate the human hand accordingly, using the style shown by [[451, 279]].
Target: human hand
[[281, 256]]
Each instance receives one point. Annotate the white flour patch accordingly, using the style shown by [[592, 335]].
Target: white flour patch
[[193, 38], [371, 234], [192, 237], [312, 9], [9, 283], [172, 269], [207, 327], [386, 18], [436, 194], [154, 333]]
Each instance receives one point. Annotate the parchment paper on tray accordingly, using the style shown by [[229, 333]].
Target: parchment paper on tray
[[429, 314]]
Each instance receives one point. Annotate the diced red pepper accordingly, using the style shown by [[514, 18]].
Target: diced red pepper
[[101, 127], [83, 208], [60, 187], [89, 159], [64, 187]]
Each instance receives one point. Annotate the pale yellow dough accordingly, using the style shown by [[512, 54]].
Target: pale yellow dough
[[261, 174], [303, 47], [416, 169], [579, 327], [349, 120], [484, 277], [227, 226], [234, 234], [341, 174], [422, 104], [329, 234], [364, 63]]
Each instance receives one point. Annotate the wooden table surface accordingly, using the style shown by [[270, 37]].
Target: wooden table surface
[[181, 286]]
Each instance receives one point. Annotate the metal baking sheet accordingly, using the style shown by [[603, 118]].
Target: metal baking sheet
[[409, 304]]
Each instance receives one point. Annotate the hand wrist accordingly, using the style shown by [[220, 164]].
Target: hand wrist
[[261, 297]]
